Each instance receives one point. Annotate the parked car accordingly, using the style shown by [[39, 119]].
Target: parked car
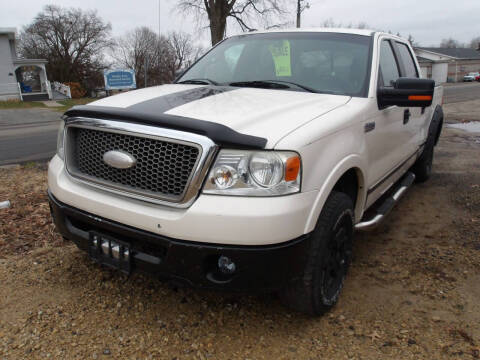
[[473, 76], [252, 171]]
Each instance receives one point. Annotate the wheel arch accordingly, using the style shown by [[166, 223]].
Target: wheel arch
[[350, 169], [437, 122]]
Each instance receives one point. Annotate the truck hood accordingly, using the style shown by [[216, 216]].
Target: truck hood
[[264, 113]]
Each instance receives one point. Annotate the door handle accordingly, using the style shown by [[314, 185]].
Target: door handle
[[369, 126], [406, 116]]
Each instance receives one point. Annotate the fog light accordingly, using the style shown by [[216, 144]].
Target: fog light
[[226, 265]]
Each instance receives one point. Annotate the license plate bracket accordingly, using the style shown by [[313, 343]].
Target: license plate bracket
[[107, 250]]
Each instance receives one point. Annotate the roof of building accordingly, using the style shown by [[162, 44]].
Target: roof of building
[[458, 53], [29, 61], [422, 59], [10, 31]]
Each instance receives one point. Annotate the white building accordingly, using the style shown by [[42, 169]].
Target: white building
[[447, 64], [21, 79]]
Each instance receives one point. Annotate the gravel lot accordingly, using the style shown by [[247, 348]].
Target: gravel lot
[[413, 290]]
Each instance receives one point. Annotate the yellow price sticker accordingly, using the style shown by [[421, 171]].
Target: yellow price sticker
[[281, 57]]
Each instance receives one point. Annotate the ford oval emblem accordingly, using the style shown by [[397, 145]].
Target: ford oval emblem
[[119, 159]]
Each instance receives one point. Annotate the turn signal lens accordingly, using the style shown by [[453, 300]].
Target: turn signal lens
[[225, 176], [292, 168]]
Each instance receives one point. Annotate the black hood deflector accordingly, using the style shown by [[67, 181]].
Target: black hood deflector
[[220, 134]]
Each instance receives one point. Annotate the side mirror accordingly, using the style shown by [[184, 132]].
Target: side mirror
[[407, 92]]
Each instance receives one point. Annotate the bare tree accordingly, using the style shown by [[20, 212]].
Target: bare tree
[[451, 43], [411, 40], [248, 14], [72, 40], [186, 52], [330, 23], [475, 43], [147, 54]]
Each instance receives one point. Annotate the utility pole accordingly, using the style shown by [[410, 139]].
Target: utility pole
[[299, 13]]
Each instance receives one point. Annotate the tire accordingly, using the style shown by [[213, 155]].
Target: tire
[[423, 166], [330, 253]]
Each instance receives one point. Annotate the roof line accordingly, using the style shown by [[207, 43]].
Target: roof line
[[434, 52]]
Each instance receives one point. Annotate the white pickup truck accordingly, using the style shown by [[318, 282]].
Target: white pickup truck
[[254, 169]]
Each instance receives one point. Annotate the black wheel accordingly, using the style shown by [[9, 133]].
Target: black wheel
[[329, 257]]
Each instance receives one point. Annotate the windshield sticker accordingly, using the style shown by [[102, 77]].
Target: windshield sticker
[[281, 57]]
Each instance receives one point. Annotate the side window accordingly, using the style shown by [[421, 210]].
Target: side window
[[407, 60], [388, 64]]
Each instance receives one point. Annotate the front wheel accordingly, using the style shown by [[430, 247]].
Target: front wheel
[[328, 260]]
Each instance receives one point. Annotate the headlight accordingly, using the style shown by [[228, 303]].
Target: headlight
[[60, 137], [254, 173]]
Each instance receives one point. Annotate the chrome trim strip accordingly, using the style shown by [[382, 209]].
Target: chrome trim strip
[[207, 150]]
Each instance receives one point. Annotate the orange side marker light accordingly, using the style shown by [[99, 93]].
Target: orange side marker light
[[420, 97], [292, 168]]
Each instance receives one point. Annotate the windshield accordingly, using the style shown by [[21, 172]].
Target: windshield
[[320, 62]]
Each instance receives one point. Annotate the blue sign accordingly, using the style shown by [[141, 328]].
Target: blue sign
[[119, 79]]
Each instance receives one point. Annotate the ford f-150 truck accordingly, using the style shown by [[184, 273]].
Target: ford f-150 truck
[[253, 170]]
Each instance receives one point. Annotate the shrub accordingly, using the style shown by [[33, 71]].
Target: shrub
[[76, 90]]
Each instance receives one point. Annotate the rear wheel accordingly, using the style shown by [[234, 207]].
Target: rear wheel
[[423, 166], [330, 254]]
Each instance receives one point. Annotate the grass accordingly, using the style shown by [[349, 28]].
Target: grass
[[66, 104], [17, 104]]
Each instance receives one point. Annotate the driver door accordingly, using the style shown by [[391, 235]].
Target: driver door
[[388, 142]]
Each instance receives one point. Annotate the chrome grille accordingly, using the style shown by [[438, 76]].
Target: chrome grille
[[162, 167], [167, 169]]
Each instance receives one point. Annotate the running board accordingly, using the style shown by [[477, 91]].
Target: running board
[[387, 204]]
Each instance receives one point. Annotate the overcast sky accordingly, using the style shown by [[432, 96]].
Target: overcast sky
[[429, 21]]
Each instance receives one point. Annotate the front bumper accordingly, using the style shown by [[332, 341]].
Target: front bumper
[[232, 220], [264, 268]]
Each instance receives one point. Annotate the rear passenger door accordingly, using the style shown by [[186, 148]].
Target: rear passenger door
[[416, 116]]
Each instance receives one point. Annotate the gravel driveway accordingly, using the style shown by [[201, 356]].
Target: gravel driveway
[[413, 291]]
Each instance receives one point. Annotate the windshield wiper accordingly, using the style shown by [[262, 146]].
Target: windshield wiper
[[259, 84], [306, 88], [198, 82], [272, 84]]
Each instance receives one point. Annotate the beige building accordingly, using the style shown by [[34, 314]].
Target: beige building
[[447, 64]]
